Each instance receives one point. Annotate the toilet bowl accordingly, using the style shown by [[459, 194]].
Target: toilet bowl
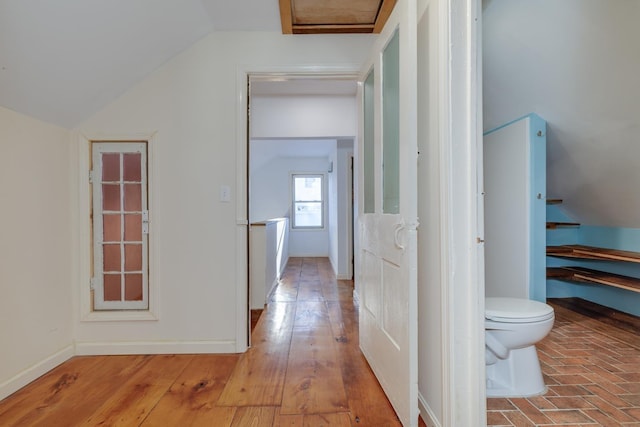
[[512, 328]]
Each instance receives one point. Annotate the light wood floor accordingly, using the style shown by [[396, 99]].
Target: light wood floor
[[304, 369]]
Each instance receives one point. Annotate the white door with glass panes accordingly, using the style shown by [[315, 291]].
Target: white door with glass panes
[[387, 267], [120, 226]]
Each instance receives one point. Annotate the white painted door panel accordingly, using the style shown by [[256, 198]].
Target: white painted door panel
[[386, 273]]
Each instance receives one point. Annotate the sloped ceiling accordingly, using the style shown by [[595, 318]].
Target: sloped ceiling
[[61, 61], [575, 63]]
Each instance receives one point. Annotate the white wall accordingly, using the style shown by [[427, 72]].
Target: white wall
[[36, 331], [303, 116], [576, 64], [191, 104], [270, 193]]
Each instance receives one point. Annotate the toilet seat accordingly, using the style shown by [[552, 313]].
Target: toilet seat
[[516, 310]]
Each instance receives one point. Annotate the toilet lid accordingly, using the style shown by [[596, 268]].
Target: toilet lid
[[516, 310]]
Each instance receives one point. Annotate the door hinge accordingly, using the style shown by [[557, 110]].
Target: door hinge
[[145, 222], [92, 283], [91, 177]]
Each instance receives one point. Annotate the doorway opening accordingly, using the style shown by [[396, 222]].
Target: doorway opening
[[298, 126]]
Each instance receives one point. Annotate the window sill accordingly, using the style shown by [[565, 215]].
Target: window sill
[[116, 315]]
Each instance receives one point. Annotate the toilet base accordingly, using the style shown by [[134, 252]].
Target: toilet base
[[518, 375]]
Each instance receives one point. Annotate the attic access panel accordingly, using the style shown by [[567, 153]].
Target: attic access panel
[[334, 16]]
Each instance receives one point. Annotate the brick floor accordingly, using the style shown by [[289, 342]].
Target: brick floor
[[592, 371]]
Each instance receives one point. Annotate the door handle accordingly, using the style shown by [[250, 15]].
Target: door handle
[[396, 236]]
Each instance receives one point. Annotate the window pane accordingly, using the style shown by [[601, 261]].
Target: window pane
[[111, 257], [112, 289], [308, 214], [132, 167], [133, 227], [111, 226], [111, 167], [132, 197], [369, 183], [132, 257], [110, 197], [308, 188], [133, 287], [391, 127]]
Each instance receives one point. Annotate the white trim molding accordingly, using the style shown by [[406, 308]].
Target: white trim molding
[[464, 401], [426, 413], [243, 73], [153, 347], [20, 380]]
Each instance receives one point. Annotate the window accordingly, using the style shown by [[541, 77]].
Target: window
[[308, 201], [120, 226]]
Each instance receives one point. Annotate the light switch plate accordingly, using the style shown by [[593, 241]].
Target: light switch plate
[[225, 193]]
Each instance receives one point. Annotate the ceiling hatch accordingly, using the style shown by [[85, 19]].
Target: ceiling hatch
[[334, 16]]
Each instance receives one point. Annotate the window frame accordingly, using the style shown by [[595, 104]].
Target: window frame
[[83, 216], [322, 201], [100, 303]]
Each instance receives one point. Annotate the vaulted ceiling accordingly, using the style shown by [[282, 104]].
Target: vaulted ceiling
[[61, 61]]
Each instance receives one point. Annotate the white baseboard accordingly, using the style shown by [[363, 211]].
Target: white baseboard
[[153, 347], [426, 413], [343, 277], [28, 375]]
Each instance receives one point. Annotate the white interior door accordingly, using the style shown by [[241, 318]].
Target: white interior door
[[387, 273]]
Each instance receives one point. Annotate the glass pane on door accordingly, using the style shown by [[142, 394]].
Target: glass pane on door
[[369, 167], [391, 126]]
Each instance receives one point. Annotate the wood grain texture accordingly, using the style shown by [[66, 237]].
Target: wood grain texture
[[334, 16], [591, 252], [191, 399], [587, 275], [304, 369], [139, 393], [314, 377]]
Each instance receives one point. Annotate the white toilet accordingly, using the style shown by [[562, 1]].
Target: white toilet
[[512, 328]]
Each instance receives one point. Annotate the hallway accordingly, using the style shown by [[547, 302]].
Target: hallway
[[304, 369]]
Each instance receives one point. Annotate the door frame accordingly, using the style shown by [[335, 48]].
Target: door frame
[[243, 312]]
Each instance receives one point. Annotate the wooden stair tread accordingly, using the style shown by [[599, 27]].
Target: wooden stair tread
[[554, 225], [591, 252], [581, 274], [554, 201]]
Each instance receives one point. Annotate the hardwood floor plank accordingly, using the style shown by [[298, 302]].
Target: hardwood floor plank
[[327, 420], [191, 399], [69, 392], [314, 379], [16, 409], [258, 379], [219, 416], [280, 420], [252, 416], [139, 394]]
